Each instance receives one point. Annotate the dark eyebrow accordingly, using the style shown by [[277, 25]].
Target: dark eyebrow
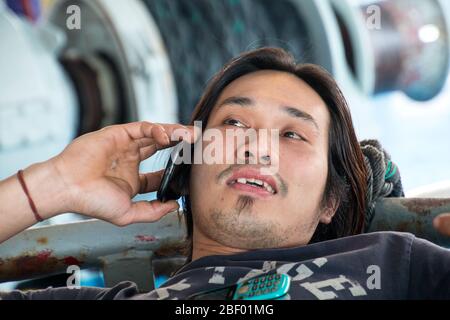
[[242, 101], [291, 111], [296, 113]]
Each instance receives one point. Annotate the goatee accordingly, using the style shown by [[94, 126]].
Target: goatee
[[244, 203]]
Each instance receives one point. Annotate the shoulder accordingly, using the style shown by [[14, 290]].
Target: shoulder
[[387, 236], [429, 271], [392, 239], [377, 241]]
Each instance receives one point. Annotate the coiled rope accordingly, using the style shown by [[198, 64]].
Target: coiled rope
[[383, 176]]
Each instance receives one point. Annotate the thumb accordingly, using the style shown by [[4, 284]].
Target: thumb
[[147, 211], [442, 224]]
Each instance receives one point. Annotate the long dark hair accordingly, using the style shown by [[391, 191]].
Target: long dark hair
[[346, 180]]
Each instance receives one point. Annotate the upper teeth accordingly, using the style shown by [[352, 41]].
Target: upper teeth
[[258, 182]]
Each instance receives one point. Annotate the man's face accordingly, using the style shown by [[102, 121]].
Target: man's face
[[232, 212]]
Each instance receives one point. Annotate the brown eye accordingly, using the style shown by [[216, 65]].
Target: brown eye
[[234, 122], [293, 135]]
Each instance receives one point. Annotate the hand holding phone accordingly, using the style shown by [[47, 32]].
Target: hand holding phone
[[170, 187]]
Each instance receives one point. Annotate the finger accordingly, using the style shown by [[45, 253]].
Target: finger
[[150, 182], [146, 133], [158, 137], [147, 152], [139, 130], [178, 132], [149, 146], [145, 142], [148, 211], [144, 129], [158, 132], [442, 224]]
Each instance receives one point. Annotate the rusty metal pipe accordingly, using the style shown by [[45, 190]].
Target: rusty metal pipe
[[51, 249], [414, 215]]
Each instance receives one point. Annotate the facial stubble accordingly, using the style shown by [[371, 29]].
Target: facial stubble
[[241, 227]]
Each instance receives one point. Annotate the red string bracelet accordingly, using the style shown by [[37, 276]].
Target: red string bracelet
[[25, 189]]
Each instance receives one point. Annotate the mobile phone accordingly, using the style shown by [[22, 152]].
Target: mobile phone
[[170, 187], [266, 287], [262, 287]]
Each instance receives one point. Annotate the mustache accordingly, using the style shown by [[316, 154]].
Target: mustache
[[282, 185]]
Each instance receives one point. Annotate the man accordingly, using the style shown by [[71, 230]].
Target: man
[[304, 219]]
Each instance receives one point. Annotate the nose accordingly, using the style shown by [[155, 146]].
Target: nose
[[250, 158], [256, 149]]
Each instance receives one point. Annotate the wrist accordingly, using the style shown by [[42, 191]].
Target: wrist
[[47, 189]]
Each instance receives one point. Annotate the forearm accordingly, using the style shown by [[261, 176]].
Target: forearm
[[46, 190]]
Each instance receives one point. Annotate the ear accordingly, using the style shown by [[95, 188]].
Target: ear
[[329, 211]]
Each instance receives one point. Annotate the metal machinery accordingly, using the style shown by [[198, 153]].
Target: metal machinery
[[136, 60], [59, 83]]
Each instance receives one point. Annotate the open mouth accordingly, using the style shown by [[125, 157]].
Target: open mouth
[[251, 181], [255, 183]]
